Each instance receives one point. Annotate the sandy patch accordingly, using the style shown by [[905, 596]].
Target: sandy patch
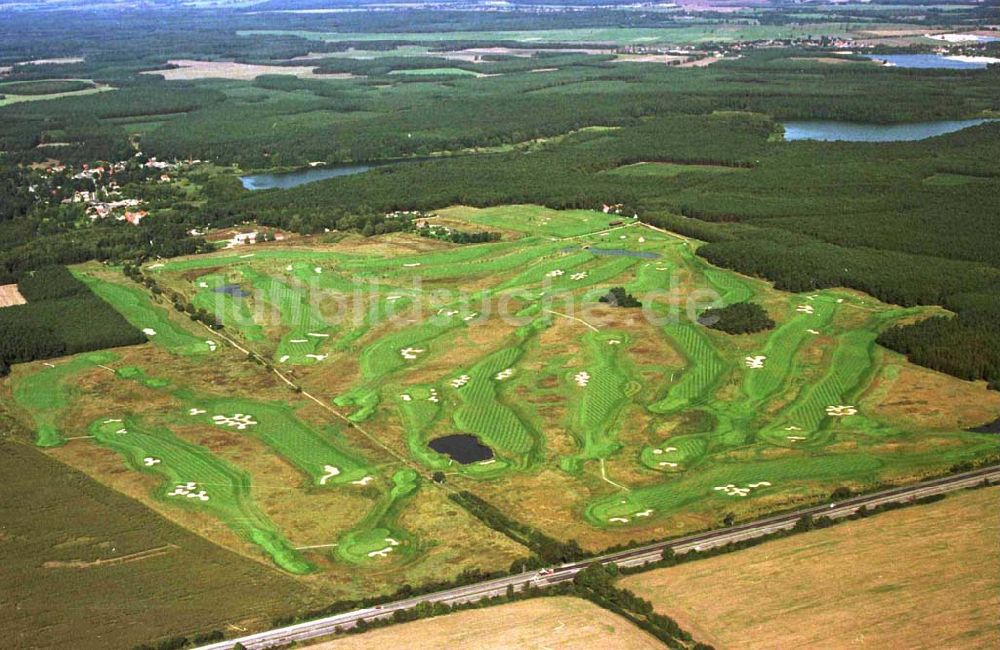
[[10, 296], [188, 70]]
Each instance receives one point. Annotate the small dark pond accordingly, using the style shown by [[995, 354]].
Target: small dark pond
[[462, 447], [992, 427], [233, 290]]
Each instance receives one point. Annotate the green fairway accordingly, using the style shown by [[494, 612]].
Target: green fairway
[[47, 392], [196, 479]]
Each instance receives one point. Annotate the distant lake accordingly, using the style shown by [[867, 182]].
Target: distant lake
[[859, 132], [285, 180], [928, 61]]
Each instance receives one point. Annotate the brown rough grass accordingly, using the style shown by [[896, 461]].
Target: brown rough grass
[[559, 622], [10, 296], [923, 577]]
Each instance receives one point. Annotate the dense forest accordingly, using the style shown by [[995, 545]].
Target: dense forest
[[737, 318], [62, 316]]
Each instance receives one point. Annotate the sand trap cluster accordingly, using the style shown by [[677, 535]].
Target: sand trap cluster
[[841, 410], [331, 471], [196, 411], [188, 490], [755, 362], [149, 331], [317, 357], [506, 373], [382, 552], [471, 316], [458, 382], [805, 309], [212, 345], [433, 396], [365, 480], [578, 276], [149, 461], [202, 285], [735, 491], [665, 450], [239, 420], [555, 274], [410, 353], [582, 378]]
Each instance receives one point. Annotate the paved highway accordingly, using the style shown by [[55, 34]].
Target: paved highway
[[632, 557]]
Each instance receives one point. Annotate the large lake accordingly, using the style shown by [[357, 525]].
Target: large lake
[[932, 61], [859, 132], [285, 180]]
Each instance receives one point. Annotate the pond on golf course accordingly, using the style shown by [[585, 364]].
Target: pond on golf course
[[462, 447], [830, 131], [991, 427]]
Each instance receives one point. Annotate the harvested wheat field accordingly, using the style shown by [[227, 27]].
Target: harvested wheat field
[[9, 295], [559, 622], [188, 70], [923, 577]]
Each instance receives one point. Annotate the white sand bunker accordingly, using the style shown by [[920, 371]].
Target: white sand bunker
[[665, 450], [393, 298], [410, 353], [411, 265], [406, 398], [471, 316], [795, 438], [211, 345], [805, 309], [458, 382], [317, 357], [614, 342], [582, 378], [288, 268], [578, 276], [149, 331], [364, 480], [666, 463], [506, 373], [755, 362], [246, 256], [642, 240], [792, 427], [283, 358], [196, 411], [619, 520], [555, 274], [149, 461], [433, 397], [623, 237], [812, 331], [240, 421], [488, 461], [644, 513], [121, 431], [331, 471], [317, 335], [203, 285], [298, 340], [318, 270], [736, 491], [112, 421], [188, 490], [841, 410]]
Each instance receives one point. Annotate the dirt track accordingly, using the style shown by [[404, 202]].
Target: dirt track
[[9, 295]]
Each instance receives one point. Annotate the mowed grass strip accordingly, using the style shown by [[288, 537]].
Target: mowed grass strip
[[922, 577]]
